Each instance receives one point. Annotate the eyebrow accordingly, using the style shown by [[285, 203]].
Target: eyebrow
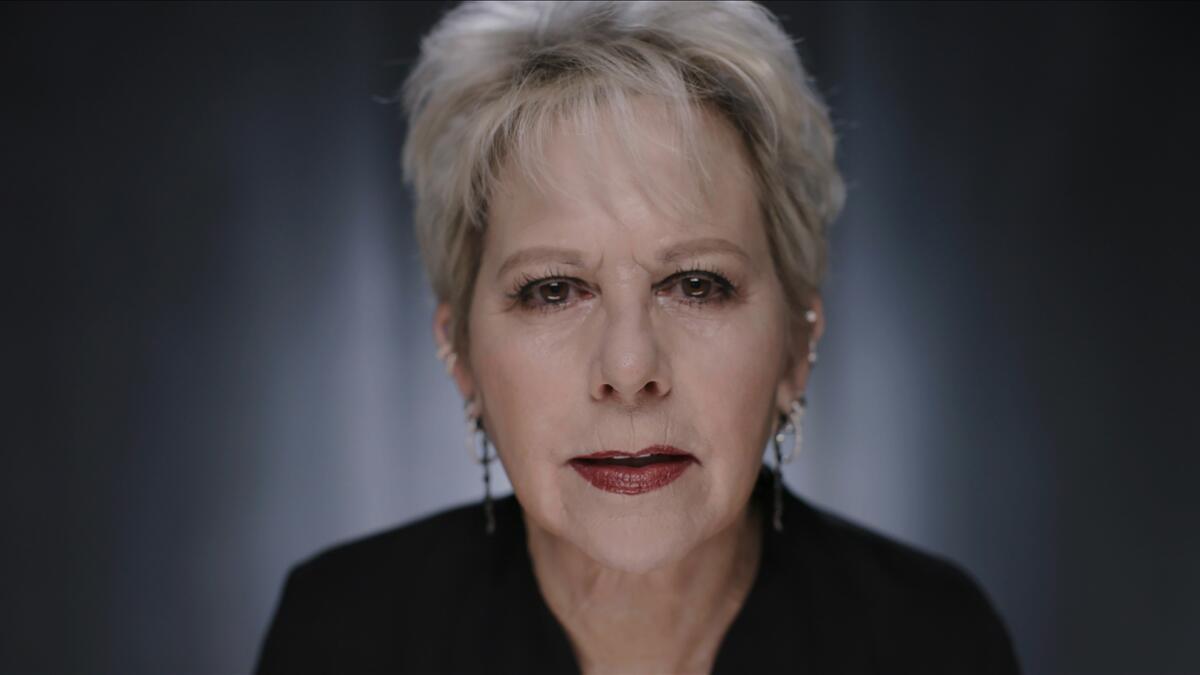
[[574, 258], [536, 254], [694, 247]]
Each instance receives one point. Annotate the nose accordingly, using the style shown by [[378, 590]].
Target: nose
[[631, 368]]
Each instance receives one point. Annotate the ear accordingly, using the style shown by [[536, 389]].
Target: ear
[[458, 369], [805, 336]]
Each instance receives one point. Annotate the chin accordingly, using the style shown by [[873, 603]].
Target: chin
[[635, 543], [632, 534]]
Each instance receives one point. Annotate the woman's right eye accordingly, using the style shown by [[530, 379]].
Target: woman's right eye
[[548, 294], [553, 292]]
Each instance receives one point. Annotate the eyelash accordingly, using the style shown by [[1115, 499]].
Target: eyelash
[[522, 293]]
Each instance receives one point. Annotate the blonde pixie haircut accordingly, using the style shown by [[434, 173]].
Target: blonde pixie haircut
[[494, 78]]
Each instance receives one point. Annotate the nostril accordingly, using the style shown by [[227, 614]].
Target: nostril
[[650, 390]]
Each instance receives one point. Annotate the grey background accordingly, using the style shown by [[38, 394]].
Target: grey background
[[218, 357]]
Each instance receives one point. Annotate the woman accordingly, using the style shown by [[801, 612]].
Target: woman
[[622, 208]]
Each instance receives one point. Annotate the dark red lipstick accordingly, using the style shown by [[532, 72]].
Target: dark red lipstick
[[633, 474]]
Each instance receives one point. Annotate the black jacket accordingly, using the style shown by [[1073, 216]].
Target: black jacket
[[441, 596]]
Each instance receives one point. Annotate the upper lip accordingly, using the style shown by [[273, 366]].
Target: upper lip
[[648, 450]]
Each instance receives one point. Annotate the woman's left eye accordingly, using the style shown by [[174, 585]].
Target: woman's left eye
[[700, 288]]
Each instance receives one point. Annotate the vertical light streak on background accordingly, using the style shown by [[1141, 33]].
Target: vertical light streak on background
[[869, 391], [359, 427], [921, 424], [404, 431], [375, 348]]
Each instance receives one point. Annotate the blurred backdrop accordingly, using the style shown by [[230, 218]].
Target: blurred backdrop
[[219, 358]]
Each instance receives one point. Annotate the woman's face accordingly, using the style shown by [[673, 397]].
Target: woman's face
[[602, 323]]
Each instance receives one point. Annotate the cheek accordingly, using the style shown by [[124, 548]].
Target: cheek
[[732, 374], [528, 390]]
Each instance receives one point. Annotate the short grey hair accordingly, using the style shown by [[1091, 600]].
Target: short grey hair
[[494, 76]]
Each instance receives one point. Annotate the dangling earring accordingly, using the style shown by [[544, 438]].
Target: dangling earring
[[788, 423], [482, 452]]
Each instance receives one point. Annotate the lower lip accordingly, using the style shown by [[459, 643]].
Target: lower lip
[[629, 480]]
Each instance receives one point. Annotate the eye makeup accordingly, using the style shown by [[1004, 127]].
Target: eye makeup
[[693, 280], [528, 286], [700, 286]]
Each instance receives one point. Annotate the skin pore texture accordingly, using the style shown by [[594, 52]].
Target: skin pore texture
[[601, 320]]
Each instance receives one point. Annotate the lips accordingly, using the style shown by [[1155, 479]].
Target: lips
[[622, 473]]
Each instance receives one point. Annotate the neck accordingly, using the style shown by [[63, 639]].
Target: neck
[[670, 619]]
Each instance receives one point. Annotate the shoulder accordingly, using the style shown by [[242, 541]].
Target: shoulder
[[889, 568], [920, 611], [407, 551], [361, 602]]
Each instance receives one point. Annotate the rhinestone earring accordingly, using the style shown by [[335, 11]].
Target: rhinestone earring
[[483, 453], [811, 317], [788, 423]]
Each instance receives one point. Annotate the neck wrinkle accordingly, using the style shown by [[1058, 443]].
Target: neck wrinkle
[[617, 620]]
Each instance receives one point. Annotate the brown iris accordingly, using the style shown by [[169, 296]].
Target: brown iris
[[553, 292], [697, 287]]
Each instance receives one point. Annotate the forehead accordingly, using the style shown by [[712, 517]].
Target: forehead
[[647, 177]]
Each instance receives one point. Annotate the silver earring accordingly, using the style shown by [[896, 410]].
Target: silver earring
[[482, 452], [788, 423], [811, 317], [448, 357]]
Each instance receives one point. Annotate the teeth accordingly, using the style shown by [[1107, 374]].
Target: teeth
[[635, 462], [632, 460]]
